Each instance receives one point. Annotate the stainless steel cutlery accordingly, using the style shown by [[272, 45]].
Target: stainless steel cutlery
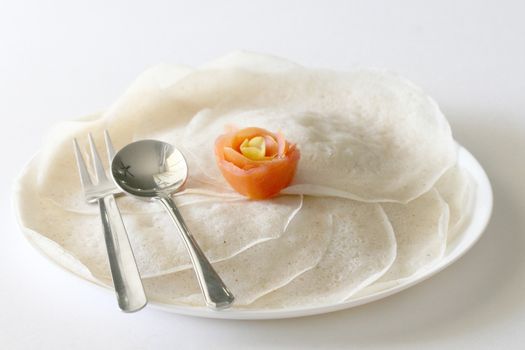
[[149, 170]]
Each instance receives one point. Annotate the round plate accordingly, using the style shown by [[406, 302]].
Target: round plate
[[472, 231]]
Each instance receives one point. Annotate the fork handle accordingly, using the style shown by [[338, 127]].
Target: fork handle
[[124, 271], [216, 294]]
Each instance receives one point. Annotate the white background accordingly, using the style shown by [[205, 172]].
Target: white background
[[64, 59]]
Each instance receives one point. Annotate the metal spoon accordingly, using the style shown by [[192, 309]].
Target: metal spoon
[[153, 170]]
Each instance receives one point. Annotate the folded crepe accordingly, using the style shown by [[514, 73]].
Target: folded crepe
[[375, 196]]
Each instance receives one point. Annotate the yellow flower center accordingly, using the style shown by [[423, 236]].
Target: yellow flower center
[[254, 149]]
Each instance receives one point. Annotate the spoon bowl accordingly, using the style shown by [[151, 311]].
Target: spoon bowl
[[153, 170], [149, 169]]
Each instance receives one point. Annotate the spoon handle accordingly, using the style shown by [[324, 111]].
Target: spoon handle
[[216, 294]]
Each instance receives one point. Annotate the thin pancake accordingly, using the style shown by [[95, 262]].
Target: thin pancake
[[361, 249], [420, 228], [457, 189], [263, 267], [155, 241]]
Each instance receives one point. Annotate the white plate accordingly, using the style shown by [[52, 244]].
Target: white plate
[[471, 233]]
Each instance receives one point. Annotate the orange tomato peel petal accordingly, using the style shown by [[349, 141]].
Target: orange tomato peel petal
[[256, 179]]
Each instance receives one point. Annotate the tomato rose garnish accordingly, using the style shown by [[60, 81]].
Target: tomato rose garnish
[[256, 162]]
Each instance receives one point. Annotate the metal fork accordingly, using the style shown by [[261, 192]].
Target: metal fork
[[124, 271]]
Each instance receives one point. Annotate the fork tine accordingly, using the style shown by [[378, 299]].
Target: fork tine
[[109, 146], [100, 173], [85, 179]]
